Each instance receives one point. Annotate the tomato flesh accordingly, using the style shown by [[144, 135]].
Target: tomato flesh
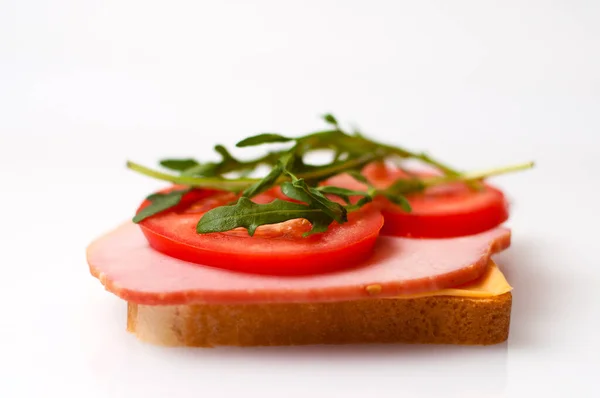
[[277, 249], [444, 211]]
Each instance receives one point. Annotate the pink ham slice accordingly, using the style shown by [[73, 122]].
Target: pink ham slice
[[129, 268]]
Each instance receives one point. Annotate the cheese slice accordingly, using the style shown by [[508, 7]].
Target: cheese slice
[[492, 283]]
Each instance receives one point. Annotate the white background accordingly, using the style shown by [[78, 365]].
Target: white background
[[86, 85]]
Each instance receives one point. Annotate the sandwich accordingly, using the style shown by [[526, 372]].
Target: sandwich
[[359, 248]]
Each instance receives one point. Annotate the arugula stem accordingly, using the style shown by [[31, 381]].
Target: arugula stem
[[299, 180], [478, 175], [340, 168], [427, 159], [423, 157], [270, 158], [238, 184], [233, 185]]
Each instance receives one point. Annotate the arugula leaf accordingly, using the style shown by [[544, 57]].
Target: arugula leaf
[[265, 183], [342, 193], [321, 140], [209, 169], [361, 202], [399, 200], [250, 215], [345, 195], [160, 202], [299, 180], [405, 186], [178, 164], [358, 177], [270, 179], [319, 173], [395, 192], [329, 118], [228, 163], [214, 169], [298, 190], [265, 138]]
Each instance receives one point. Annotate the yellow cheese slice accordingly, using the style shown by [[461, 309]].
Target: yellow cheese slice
[[492, 283]]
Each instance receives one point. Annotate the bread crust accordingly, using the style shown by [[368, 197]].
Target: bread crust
[[424, 320]]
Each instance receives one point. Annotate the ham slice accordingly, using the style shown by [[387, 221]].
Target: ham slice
[[128, 267]]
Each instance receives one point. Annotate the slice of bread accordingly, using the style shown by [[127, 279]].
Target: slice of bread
[[426, 320]]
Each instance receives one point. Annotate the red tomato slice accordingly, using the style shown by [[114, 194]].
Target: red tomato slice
[[277, 249], [440, 212]]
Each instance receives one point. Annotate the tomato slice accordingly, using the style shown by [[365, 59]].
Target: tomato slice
[[277, 249], [440, 212]]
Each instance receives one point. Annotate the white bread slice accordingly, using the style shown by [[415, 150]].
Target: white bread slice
[[426, 320]]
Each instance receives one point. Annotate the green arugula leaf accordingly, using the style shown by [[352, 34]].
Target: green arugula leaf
[[160, 202], [225, 155], [343, 193], [178, 164], [358, 177], [299, 180], [361, 202], [270, 179], [250, 215], [209, 169], [399, 200], [265, 183], [329, 118], [265, 138], [406, 186], [299, 190], [326, 139], [228, 163], [316, 174], [396, 192], [214, 169]]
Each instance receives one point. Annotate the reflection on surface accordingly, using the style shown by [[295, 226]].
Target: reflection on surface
[[523, 267], [304, 371], [433, 369]]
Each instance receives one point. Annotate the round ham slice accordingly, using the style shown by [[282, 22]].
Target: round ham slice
[[128, 267]]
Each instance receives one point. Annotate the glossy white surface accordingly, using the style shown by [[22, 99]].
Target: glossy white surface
[[86, 85]]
